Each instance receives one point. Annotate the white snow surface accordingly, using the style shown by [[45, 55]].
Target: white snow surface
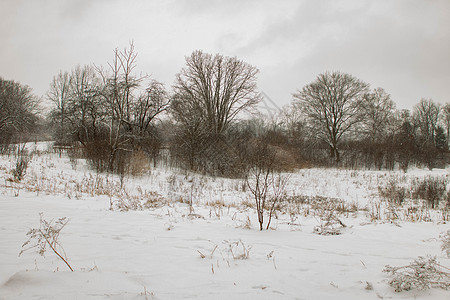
[[174, 252]]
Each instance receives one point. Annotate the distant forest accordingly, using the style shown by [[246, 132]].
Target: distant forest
[[115, 119]]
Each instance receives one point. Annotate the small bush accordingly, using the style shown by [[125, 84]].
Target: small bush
[[432, 190], [330, 224], [47, 235], [393, 192], [23, 158], [423, 273]]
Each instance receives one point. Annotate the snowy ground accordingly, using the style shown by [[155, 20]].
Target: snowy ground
[[213, 250]]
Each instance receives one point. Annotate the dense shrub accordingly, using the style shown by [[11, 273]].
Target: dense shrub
[[97, 154], [392, 192], [432, 190]]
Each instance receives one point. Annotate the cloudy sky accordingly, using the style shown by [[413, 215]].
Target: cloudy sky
[[402, 46]]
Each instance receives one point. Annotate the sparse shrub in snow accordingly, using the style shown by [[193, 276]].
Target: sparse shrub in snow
[[391, 212], [142, 200], [266, 187], [268, 191], [417, 214], [229, 251], [375, 211], [47, 235], [430, 189], [445, 238], [238, 250], [392, 192], [326, 210], [423, 273], [330, 224], [22, 160]]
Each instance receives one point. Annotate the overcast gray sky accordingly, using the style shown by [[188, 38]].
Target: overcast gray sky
[[402, 46]]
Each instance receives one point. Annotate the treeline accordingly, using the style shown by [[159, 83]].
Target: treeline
[[208, 122], [18, 113], [343, 122]]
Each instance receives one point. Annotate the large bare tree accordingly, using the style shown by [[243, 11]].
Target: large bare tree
[[331, 105], [217, 88], [119, 84]]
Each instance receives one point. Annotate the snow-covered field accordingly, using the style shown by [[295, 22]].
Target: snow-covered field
[[163, 248]]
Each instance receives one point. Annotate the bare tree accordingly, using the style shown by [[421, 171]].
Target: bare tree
[[209, 92], [146, 108], [445, 113], [85, 105], [332, 106], [152, 102], [192, 132], [118, 86], [291, 120], [18, 110], [426, 116], [378, 110], [59, 94], [267, 187], [77, 110], [217, 87]]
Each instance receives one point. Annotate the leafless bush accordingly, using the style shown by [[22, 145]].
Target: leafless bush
[[430, 189], [417, 213], [268, 191], [143, 200], [22, 160], [423, 273], [375, 211], [317, 206], [392, 192], [330, 224], [267, 187], [47, 235]]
